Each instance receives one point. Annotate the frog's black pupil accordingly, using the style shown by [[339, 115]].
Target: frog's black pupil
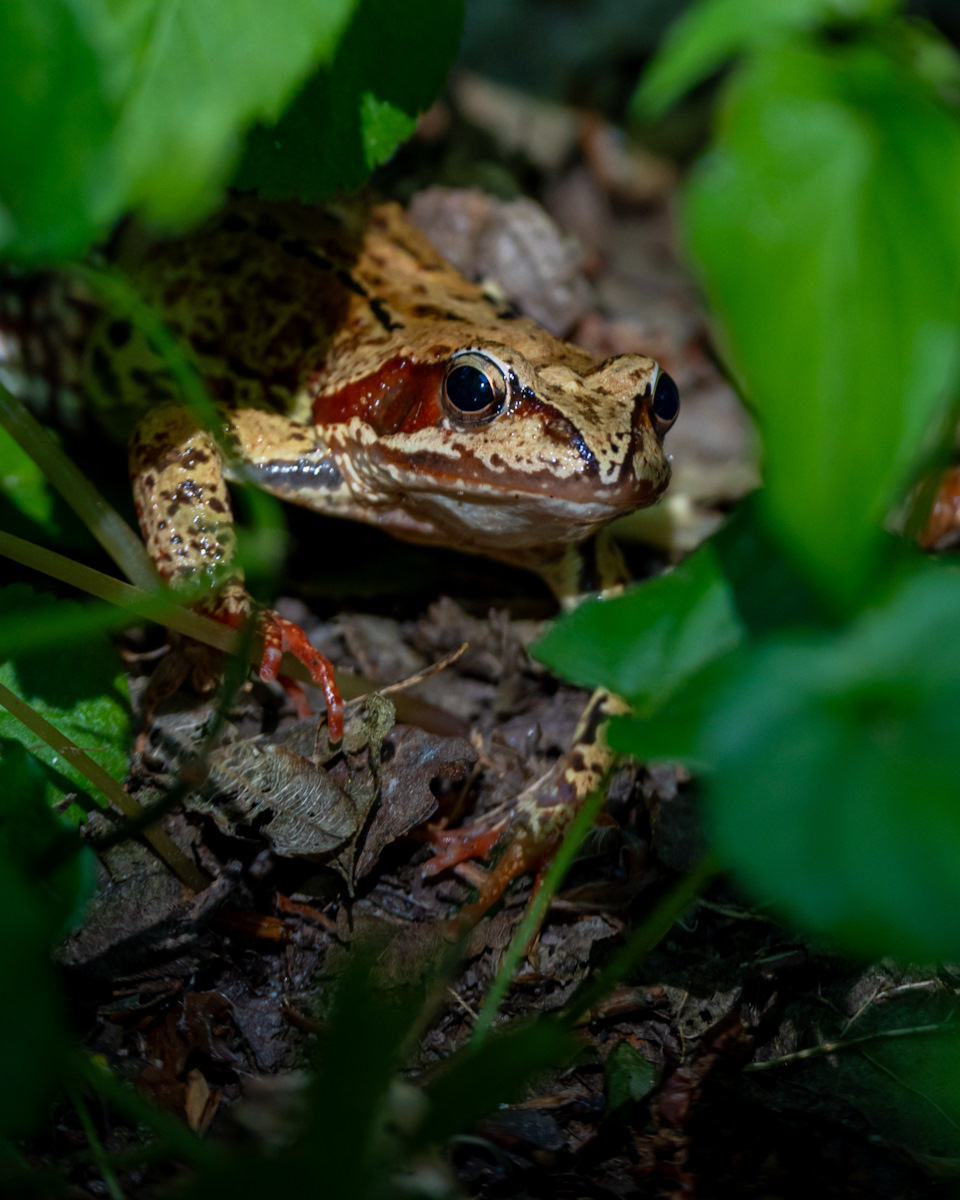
[[469, 390], [666, 399]]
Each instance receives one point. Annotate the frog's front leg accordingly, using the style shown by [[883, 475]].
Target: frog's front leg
[[187, 522]]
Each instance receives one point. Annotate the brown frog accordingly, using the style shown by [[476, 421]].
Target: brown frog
[[358, 374]]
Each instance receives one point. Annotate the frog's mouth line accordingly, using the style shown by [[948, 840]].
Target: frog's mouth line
[[565, 480]]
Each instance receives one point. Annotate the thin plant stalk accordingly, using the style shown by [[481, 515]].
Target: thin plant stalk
[[102, 519], [97, 1151], [536, 910]]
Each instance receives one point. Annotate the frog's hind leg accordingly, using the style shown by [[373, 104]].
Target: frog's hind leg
[[185, 514], [531, 830]]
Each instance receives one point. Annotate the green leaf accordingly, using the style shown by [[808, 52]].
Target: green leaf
[[710, 33], [55, 124], [628, 1075], [23, 485], [79, 689], [192, 75], [29, 508], [834, 173], [383, 127], [108, 105], [352, 115], [36, 898], [834, 767], [645, 644]]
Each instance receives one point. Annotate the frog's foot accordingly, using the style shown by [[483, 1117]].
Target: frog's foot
[[280, 636], [457, 848], [533, 827]]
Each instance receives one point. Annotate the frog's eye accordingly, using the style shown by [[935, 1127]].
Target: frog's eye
[[665, 404], [474, 387]]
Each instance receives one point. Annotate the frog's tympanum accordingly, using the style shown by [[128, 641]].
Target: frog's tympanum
[[358, 374]]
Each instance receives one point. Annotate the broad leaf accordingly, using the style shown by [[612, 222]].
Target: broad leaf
[[834, 767], [192, 75], [108, 105], [55, 122], [833, 175], [79, 689], [713, 31], [645, 644], [352, 115]]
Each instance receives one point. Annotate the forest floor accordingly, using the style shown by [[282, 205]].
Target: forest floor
[[690, 1079]]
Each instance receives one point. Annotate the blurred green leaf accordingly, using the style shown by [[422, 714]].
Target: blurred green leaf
[[109, 105], [628, 1076], [35, 901], [834, 767], [80, 689], [644, 644], [192, 76], [29, 508], [24, 486], [708, 34], [352, 115], [833, 174], [55, 124]]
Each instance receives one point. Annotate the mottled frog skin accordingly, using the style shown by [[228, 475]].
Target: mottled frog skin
[[358, 374], [342, 349]]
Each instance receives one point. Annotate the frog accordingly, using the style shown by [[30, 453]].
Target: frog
[[356, 373]]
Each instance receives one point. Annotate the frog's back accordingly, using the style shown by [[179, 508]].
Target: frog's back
[[275, 301]]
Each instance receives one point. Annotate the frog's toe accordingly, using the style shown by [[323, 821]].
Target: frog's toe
[[454, 846], [282, 636]]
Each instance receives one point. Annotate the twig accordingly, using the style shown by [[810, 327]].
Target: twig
[[834, 1047]]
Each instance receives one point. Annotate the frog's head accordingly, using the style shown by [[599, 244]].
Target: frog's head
[[487, 449]]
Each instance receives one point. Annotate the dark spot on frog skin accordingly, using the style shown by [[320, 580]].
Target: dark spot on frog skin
[[379, 310], [452, 316], [508, 314], [216, 505], [240, 368], [348, 281], [234, 223], [155, 384], [102, 366], [268, 227], [119, 333], [301, 248]]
